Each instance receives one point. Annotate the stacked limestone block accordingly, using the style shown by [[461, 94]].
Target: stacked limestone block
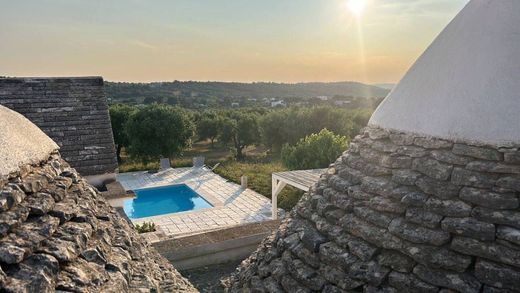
[[57, 233], [399, 213]]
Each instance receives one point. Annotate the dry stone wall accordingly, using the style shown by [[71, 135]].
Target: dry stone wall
[[58, 234], [399, 212]]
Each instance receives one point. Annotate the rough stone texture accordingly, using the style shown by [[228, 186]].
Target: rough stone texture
[[423, 217], [509, 217], [509, 182], [432, 168], [73, 112], [469, 227], [441, 189], [455, 281], [59, 234], [477, 152], [488, 199], [414, 229], [509, 233], [497, 275]]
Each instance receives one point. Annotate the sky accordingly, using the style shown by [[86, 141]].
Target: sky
[[219, 40]]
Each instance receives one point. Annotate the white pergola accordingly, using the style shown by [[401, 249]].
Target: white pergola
[[301, 179]]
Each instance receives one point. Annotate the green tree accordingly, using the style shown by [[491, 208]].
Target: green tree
[[360, 119], [273, 129], [227, 130], [288, 126], [159, 131], [314, 151], [241, 129], [247, 133], [119, 115], [172, 101], [208, 127]]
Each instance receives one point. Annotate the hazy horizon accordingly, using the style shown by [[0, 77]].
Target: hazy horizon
[[380, 84], [247, 82], [282, 41]]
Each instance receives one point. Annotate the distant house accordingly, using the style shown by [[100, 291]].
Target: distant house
[[323, 98], [235, 105], [74, 113], [341, 103], [280, 103]]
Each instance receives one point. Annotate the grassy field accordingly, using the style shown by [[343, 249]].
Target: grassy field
[[257, 167]]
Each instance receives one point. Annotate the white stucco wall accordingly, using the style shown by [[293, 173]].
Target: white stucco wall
[[21, 142], [466, 85]]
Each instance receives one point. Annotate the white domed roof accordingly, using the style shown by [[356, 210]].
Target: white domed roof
[[21, 142], [466, 85]]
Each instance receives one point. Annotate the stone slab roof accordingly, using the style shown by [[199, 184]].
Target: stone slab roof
[[73, 112], [465, 85]]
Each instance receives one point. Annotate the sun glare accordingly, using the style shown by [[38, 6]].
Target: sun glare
[[356, 7]]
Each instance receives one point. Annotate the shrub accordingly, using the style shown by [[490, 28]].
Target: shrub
[[145, 227], [314, 151]]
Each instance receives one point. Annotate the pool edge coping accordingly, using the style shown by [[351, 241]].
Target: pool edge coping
[[216, 204]]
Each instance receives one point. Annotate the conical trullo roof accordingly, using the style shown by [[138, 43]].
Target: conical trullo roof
[[21, 142], [466, 85], [58, 233], [427, 197]]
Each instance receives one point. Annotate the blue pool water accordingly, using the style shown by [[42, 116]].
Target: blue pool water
[[163, 200]]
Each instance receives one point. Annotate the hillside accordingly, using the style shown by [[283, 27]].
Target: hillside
[[388, 86], [123, 91]]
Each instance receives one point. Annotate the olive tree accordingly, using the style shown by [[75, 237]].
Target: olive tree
[[241, 129], [289, 125], [119, 115], [208, 126], [159, 131]]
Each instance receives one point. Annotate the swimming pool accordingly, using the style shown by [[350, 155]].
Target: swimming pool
[[163, 200]]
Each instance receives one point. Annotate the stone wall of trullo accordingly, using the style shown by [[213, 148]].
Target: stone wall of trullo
[[58, 234], [399, 213]]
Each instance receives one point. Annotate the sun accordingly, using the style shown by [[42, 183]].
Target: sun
[[356, 7]]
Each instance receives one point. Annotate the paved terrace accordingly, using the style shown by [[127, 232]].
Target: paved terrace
[[232, 205]]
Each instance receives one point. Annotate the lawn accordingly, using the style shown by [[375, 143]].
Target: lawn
[[258, 167]]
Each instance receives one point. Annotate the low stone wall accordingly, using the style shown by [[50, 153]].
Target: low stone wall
[[214, 247], [399, 213]]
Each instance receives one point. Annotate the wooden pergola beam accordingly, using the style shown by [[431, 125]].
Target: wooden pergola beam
[[301, 179]]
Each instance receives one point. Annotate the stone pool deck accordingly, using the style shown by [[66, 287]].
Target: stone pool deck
[[232, 205]]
